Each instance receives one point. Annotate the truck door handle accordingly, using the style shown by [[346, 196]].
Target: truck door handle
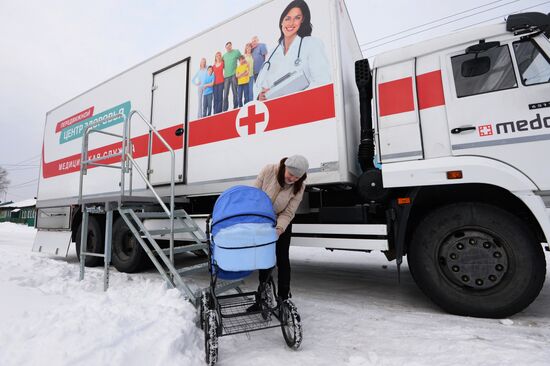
[[454, 131], [179, 132]]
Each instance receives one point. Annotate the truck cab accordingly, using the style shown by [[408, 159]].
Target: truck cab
[[460, 125]]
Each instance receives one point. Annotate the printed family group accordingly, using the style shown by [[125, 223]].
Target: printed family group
[[233, 72]]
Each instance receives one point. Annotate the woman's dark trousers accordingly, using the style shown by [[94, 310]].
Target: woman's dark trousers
[[283, 264]]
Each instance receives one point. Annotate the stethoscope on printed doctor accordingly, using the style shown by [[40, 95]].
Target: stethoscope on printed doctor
[[297, 62]]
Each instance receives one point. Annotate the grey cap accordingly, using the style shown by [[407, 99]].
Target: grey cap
[[297, 165]]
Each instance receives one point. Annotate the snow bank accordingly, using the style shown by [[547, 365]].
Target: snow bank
[[49, 317], [353, 313]]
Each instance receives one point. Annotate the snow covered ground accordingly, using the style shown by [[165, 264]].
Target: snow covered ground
[[353, 312]]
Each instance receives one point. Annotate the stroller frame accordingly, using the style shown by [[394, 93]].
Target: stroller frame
[[223, 315]]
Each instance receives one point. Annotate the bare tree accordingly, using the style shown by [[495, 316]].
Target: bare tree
[[4, 181]]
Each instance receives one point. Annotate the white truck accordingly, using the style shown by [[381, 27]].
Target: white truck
[[435, 152]]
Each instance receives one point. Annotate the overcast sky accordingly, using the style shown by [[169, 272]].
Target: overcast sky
[[54, 50]]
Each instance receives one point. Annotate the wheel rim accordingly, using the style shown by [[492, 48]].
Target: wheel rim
[[474, 259]]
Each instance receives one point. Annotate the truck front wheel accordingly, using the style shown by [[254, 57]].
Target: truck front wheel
[[477, 260]]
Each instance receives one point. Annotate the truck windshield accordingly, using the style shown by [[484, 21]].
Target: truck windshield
[[533, 65]]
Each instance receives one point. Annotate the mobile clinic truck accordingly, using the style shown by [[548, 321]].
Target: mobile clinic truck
[[458, 128]]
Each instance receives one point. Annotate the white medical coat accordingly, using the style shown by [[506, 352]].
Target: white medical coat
[[314, 64]]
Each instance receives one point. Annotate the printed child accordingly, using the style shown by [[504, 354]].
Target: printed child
[[243, 77], [208, 92]]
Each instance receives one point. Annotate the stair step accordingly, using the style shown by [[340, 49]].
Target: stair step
[[193, 269], [186, 248], [159, 214], [176, 230], [94, 254]]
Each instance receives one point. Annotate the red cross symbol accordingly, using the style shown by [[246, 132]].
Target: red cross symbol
[[251, 120], [485, 130]]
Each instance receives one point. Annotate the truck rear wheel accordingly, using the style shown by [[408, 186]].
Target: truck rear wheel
[[127, 254], [477, 260], [95, 242]]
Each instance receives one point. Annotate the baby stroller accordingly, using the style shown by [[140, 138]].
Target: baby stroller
[[241, 235]]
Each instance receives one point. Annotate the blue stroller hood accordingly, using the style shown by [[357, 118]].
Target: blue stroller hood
[[243, 232], [242, 204]]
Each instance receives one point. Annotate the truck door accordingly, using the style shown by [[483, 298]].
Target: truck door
[[499, 105], [397, 112], [169, 117]]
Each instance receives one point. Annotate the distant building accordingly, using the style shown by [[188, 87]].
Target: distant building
[[22, 212]]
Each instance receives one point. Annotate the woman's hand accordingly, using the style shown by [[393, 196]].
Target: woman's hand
[[279, 231], [262, 96]]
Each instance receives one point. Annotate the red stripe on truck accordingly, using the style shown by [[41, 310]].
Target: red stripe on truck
[[296, 109], [430, 90], [397, 96], [71, 164], [310, 106]]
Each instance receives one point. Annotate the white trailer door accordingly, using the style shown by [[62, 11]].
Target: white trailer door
[[169, 107]]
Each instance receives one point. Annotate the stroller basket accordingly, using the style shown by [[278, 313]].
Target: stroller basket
[[236, 319]]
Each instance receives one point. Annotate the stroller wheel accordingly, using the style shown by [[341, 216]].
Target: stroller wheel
[[291, 324], [203, 307], [210, 337]]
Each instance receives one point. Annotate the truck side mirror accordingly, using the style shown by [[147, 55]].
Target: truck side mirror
[[475, 67]]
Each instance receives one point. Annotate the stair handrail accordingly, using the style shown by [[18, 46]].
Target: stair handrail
[[127, 156], [85, 161]]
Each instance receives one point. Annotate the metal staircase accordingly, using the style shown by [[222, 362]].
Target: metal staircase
[[134, 210]]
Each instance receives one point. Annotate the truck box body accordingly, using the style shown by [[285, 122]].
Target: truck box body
[[459, 124], [223, 149]]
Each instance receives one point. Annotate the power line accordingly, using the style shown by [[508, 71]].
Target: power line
[[439, 25], [20, 165], [26, 160], [16, 195], [431, 22], [10, 170], [501, 16], [21, 184]]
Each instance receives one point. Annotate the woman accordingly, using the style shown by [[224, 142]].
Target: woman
[[218, 82], [298, 61], [284, 184], [250, 61], [198, 80]]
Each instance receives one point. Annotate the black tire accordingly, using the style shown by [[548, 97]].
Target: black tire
[[210, 338], [127, 254], [203, 307], [477, 260], [95, 242], [291, 324]]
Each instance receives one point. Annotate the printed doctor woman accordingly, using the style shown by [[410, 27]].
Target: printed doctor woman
[[298, 61]]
